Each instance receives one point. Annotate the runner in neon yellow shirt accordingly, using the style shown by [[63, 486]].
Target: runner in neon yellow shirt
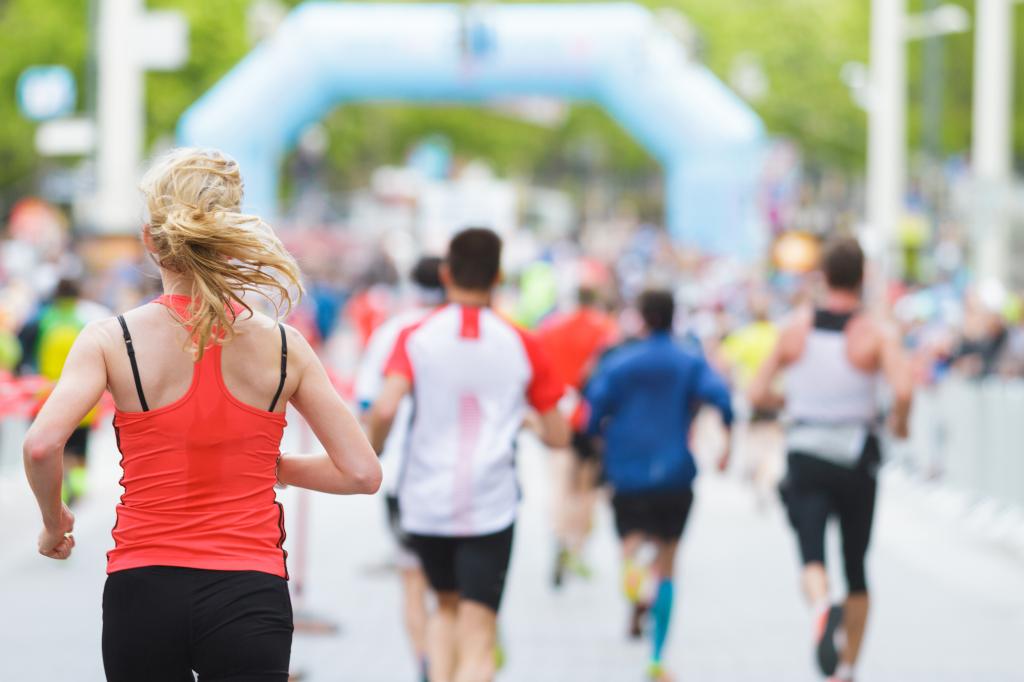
[[759, 436], [59, 324]]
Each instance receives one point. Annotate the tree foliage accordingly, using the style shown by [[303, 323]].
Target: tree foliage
[[35, 32], [801, 46]]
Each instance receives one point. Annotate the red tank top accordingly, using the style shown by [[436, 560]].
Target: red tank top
[[573, 342], [199, 478]]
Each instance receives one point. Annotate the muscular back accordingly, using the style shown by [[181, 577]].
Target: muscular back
[[864, 340]]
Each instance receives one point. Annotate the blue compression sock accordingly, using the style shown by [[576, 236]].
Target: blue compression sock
[[661, 614]]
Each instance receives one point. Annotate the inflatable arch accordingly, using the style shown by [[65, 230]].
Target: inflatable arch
[[617, 55]]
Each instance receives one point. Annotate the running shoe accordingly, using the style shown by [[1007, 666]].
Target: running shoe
[[77, 481], [499, 656], [561, 562], [656, 673], [634, 577], [827, 651]]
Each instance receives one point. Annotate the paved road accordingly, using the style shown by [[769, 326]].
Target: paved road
[[950, 600]]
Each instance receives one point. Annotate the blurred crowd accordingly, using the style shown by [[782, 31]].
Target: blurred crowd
[[728, 309]]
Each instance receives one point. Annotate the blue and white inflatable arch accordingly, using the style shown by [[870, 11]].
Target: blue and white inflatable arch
[[327, 54]]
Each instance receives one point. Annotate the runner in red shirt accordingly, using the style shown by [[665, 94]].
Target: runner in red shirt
[[574, 341]]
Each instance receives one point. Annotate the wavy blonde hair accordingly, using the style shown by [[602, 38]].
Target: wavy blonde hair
[[194, 199]]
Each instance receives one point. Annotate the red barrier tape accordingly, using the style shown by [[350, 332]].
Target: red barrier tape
[[22, 396]]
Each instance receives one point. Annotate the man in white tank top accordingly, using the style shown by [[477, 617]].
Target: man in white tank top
[[833, 358]]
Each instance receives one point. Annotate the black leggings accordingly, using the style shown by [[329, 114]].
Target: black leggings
[[160, 623], [815, 489]]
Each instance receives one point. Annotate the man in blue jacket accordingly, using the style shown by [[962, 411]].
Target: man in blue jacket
[[643, 397]]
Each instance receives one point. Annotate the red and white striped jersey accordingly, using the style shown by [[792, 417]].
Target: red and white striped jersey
[[473, 374]]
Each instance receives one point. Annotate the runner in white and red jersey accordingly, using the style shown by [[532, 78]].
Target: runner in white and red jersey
[[473, 377]]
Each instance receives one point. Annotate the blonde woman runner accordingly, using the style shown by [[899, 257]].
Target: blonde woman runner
[[197, 576]]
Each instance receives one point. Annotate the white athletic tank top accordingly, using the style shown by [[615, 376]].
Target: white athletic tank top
[[822, 386]]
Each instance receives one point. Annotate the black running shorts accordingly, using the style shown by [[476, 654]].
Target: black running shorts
[[475, 566], [78, 442], [658, 514], [160, 623], [585, 447]]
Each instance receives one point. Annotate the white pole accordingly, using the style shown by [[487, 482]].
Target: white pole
[[119, 113], [886, 134], [991, 147]]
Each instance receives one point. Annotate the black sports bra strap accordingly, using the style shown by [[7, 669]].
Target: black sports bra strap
[[284, 367], [135, 365]]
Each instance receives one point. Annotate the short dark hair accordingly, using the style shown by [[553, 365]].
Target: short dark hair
[[427, 272], [587, 297], [843, 264], [474, 258], [67, 287], [658, 308]]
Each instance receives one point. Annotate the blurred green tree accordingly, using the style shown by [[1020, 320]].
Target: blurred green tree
[[34, 32], [800, 45]]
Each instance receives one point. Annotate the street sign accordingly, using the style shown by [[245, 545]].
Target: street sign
[[66, 137], [46, 92]]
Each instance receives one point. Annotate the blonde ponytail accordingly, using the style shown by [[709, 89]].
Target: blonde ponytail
[[193, 197]]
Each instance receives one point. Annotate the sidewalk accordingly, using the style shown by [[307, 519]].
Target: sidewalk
[[949, 604]]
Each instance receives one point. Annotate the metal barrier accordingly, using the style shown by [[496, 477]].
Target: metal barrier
[[12, 433], [969, 436]]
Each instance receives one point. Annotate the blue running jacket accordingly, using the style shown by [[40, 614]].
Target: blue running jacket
[[643, 397]]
